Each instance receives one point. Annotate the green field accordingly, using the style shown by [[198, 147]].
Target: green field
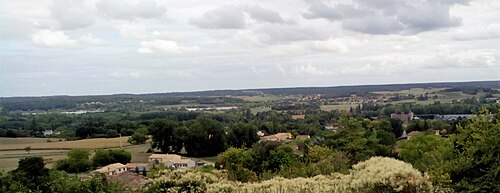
[[340, 107]]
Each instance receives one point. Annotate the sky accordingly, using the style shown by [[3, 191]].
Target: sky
[[89, 47]]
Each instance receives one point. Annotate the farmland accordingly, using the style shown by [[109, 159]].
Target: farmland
[[12, 149], [63, 145]]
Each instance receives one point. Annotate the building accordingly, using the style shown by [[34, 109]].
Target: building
[[50, 132], [260, 133], [277, 137], [112, 169], [411, 134], [171, 160], [403, 117], [302, 137], [137, 167], [296, 117], [130, 181], [331, 128]]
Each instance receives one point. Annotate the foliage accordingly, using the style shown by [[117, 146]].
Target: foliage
[[77, 161], [377, 174], [105, 157], [425, 150], [477, 147], [32, 176]]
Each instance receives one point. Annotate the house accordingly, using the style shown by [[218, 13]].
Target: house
[[172, 160], [277, 137], [283, 135], [302, 137], [296, 117], [112, 169], [162, 158], [331, 128], [137, 167], [411, 134], [260, 133], [403, 117], [50, 132], [129, 180]]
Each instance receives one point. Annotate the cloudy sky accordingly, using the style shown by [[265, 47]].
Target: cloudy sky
[[142, 46]]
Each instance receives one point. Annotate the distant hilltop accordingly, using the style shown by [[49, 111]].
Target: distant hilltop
[[332, 90]]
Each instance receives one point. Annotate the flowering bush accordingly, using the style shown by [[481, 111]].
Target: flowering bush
[[377, 174]]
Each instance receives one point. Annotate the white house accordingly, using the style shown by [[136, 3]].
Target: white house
[[172, 160], [112, 169]]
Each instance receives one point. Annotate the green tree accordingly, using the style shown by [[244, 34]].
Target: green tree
[[112, 133], [477, 147], [137, 138], [32, 174], [236, 161], [105, 157], [77, 161], [242, 135], [162, 131]]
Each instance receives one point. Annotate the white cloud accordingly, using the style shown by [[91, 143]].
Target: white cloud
[[72, 14], [136, 31], [221, 18], [58, 39], [233, 17], [260, 44], [118, 9], [308, 70], [165, 46], [492, 31], [446, 58]]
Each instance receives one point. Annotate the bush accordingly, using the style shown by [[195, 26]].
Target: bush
[[377, 174]]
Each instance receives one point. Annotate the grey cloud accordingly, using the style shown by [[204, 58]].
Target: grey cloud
[[287, 33], [373, 25], [264, 15], [233, 17], [221, 18], [144, 9], [71, 14], [388, 17]]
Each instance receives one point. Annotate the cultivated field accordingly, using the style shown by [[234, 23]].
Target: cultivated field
[[25, 140], [35, 144], [12, 149], [341, 107]]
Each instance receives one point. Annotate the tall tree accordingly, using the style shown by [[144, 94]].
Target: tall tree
[[162, 131], [477, 146]]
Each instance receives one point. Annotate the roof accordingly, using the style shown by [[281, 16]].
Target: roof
[[164, 156], [110, 167], [283, 135], [129, 180], [298, 116], [179, 161], [134, 165], [413, 133], [269, 138]]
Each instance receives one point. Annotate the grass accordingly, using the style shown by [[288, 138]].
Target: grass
[[338, 107], [259, 98], [259, 109]]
